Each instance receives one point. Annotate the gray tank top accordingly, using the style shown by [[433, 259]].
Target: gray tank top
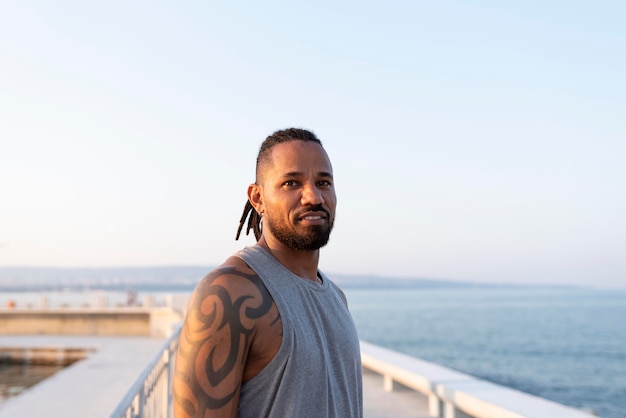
[[317, 370]]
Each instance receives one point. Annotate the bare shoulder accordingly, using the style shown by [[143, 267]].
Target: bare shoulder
[[234, 275], [228, 310]]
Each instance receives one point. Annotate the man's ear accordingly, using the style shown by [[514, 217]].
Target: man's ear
[[255, 198]]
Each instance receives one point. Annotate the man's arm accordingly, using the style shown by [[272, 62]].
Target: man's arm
[[221, 322]]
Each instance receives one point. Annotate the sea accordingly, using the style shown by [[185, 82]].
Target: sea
[[565, 344]]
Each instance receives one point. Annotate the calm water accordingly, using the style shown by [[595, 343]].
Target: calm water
[[15, 378], [567, 345]]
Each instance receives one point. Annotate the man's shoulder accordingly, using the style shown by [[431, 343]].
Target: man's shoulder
[[233, 276], [232, 267]]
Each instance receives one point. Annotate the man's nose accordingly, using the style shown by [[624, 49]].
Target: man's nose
[[311, 195]]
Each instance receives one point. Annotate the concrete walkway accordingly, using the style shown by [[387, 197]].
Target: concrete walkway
[[88, 388], [401, 403], [93, 387]]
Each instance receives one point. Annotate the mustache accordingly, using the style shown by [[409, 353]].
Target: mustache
[[314, 208]]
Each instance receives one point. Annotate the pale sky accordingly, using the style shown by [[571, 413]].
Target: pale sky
[[473, 141]]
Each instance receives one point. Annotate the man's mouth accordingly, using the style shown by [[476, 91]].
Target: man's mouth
[[314, 214]]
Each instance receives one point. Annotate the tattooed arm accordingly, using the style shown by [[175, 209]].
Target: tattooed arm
[[231, 332]]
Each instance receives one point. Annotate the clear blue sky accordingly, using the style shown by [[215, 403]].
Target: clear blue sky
[[475, 141]]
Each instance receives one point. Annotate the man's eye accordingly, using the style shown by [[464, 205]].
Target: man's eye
[[324, 183], [290, 183]]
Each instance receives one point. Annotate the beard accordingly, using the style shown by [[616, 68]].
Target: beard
[[313, 238]]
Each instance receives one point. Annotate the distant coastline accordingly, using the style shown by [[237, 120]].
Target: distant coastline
[[185, 278]]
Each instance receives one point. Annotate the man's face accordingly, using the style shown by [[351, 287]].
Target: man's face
[[298, 195]]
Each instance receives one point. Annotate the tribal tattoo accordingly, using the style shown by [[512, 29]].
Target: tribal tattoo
[[223, 315]]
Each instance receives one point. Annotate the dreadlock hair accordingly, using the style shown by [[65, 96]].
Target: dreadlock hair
[[278, 137]]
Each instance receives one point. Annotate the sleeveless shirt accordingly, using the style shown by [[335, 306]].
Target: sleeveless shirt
[[317, 370]]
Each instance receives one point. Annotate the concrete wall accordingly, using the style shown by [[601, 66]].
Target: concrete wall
[[122, 322], [163, 321], [62, 356]]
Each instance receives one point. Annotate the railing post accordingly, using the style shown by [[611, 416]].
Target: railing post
[[449, 410], [166, 380], [434, 405], [388, 383], [173, 348], [142, 403], [134, 411]]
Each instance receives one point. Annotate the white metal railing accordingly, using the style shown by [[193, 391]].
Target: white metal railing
[[151, 394], [452, 394]]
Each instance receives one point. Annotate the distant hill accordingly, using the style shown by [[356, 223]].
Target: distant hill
[[375, 282], [170, 277], [49, 278]]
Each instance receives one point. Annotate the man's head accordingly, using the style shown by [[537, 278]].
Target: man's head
[[294, 191], [280, 137]]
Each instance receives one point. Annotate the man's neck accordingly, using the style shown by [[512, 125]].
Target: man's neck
[[301, 263]]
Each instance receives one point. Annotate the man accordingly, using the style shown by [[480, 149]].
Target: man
[[266, 333]]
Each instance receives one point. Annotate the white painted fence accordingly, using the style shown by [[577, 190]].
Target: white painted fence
[[450, 394], [456, 395]]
